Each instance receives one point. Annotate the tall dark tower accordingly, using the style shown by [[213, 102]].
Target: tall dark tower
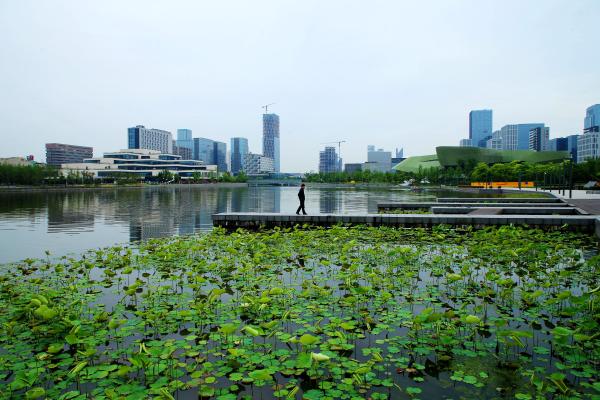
[[271, 139]]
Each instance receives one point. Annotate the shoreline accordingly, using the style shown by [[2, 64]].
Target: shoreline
[[74, 188]]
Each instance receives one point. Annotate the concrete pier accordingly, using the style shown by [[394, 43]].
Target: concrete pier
[[232, 221], [499, 200], [386, 206], [507, 210]]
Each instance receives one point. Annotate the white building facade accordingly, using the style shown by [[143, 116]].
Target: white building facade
[[142, 162], [587, 146], [257, 164], [140, 137]]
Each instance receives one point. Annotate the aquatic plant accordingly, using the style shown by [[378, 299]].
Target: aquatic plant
[[308, 313]]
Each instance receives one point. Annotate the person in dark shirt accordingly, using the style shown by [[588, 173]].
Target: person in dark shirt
[[301, 198]]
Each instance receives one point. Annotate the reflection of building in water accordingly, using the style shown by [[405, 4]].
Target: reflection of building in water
[[68, 211], [264, 199], [330, 201], [154, 215], [239, 201]]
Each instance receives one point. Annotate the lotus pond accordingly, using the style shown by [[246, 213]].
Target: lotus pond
[[339, 313]]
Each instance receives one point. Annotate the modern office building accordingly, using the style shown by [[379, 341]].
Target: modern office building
[[210, 152], [495, 142], [220, 156], [383, 159], [142, 162], [271, 139], [239, 147], [591, 123], [568, 143], [516, 136], [480, 127], [588, 143], [538, 138], [572, 141], [184, 152], [587, 146], [184, 139], [140, 137], [466, 143], [58, 153], [558, 144], [257, 164], [328, 160], [399, 153], [204, 150]]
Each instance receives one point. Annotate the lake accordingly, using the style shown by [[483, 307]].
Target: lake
[[72, 221]]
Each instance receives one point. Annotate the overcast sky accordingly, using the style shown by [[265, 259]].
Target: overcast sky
[[387, 73]]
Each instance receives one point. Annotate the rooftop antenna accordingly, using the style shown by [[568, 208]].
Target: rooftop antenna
[[266, 107]]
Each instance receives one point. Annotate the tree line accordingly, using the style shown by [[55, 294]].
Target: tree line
[[38, 174], [468, 171]]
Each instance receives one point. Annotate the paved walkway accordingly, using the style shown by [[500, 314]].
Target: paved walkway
[[589, 202]]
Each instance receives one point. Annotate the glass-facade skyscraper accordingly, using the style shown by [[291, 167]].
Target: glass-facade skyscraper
[[184, 139], [211, 152], [480, 127], [591, 123], [220, 156], [239, 147], [271, 139], [204, 150]]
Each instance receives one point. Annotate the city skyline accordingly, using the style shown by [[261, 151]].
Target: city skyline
[[68, 79]]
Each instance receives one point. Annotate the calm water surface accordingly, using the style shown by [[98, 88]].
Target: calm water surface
[[70, 222]]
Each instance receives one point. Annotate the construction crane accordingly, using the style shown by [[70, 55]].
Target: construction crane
[[339, 143], [266, 107]]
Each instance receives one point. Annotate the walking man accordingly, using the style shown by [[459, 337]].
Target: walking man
[[301, 198]]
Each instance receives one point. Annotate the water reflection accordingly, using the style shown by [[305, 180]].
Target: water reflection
[[330, 202], [74, 221]]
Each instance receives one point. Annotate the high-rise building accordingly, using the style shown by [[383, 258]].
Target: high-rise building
[[400, 153], [220, 155], [381, 158], [588, 146], [591, 123], [328, 160], [495, 142], [466, 143], [211, 152], [256, 164], [204, 150], [271, 139], [516, 136], [58, 153], [140, 137], [558, 144], [239, 147], [184, 139], [480, 127], [572, 141], [184, 152], [538, 138]]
